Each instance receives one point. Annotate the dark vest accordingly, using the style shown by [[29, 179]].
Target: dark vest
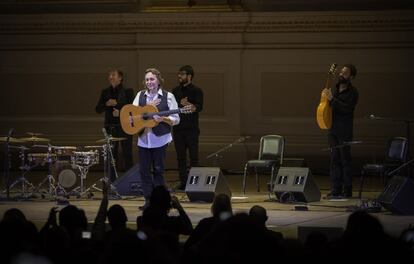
[[162, 128]]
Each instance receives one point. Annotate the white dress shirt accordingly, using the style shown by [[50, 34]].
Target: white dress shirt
[[148, 139]]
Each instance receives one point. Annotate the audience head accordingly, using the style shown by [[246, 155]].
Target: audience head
[[258, 213], [161, 198], [221, 206], [117, 216]]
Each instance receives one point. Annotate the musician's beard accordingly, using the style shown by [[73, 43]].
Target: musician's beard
[[183, 81], [342, 80]]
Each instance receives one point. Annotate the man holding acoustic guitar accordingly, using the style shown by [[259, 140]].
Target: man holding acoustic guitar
[[154, 128], [343, 99]]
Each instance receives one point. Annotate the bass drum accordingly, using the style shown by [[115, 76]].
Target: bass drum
[[65, 174]]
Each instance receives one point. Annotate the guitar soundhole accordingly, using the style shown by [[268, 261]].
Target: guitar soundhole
[[131, 119]]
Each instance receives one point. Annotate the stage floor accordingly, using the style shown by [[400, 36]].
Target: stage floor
[[328, 215]]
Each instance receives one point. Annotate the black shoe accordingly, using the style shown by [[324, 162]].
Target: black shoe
[[334, 195]]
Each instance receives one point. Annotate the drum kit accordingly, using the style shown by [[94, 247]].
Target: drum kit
[[64, 165]]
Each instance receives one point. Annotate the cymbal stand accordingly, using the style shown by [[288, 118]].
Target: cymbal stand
[[109, 161], [7, 164], [52, 190], [83, 170], [25, 184]]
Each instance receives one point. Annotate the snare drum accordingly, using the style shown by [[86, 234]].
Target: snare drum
[[64, 152], [40, 158], [85, 158]]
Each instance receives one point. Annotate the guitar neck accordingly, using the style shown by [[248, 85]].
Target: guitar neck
[[328, 82], [162, 113]]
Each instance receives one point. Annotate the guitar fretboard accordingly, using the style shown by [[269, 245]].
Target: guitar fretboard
[[146, 116]]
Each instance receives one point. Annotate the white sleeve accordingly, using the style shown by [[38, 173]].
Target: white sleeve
[[172, 104], [136, 100]]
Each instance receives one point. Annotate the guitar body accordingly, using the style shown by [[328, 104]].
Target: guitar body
[[324, 109], [135, 118], [324, 113], [131, 118]]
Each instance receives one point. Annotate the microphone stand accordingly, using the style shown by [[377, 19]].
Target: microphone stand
[[407, 123], [405, 164], [216, 154]]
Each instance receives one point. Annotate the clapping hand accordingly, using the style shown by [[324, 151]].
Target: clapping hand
[[111, 102]]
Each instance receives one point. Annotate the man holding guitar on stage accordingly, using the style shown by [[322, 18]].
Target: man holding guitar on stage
[[153, 141], [343, 99]]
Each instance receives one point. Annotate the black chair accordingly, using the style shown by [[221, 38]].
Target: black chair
[[270, 157], [395, 155]]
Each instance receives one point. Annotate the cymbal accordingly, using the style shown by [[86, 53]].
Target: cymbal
[[113, 139], [352, 142], [93, 147], [65, 147], [34, 134], [35, 139], [40, 146], [12, 140]]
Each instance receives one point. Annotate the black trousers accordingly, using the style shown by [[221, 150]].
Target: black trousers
[[183, 140], [340, 166], [151, 160], [126, 145]]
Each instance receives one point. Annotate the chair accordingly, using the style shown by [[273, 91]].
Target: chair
[[395, 155], [270, 156]]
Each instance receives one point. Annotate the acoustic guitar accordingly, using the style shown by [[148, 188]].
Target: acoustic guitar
[[324, 110], [135, 118]]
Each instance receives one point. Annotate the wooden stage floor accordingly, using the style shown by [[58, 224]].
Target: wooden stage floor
[[330, 215]]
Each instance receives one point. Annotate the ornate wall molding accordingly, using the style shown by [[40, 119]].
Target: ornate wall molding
[[240, 22]]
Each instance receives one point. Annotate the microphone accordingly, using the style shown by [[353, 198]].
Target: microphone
[[9, 135], [104, 132], [374, 117], [242, 139], [107, 138]]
